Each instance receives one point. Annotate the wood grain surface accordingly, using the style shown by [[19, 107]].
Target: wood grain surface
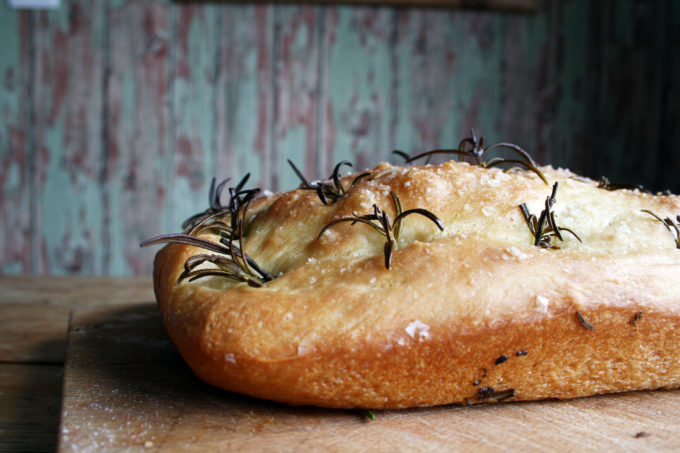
[[30, 400], [34, 314], [34, 311], [125, 388], [114, 115]]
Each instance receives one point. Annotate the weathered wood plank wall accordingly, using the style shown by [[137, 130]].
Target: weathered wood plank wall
[[114, 115]]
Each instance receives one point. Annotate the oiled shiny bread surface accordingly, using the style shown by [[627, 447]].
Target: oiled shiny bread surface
[[474, 313]]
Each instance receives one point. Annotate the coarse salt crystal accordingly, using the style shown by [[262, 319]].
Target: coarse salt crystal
[[419, 328], [542, 302], [517, 253], [488, 210]]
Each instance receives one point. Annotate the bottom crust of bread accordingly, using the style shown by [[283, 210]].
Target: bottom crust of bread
[[606, 348]]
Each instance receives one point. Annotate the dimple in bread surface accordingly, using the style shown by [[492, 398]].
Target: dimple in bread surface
[[337, 329]]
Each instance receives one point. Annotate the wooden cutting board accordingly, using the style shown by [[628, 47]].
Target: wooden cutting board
[[126, 388]]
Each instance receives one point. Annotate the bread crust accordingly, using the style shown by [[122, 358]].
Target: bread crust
[[475, 313]]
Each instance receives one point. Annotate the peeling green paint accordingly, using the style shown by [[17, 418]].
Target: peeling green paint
[[191, 96]]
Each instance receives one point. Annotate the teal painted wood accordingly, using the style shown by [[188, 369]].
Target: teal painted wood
[[359, 80], [68, 97], [15, 149], [115, 115], [296, 53], [138, 97], [243, 94], [193, 63], [526, 53], [548, 77]]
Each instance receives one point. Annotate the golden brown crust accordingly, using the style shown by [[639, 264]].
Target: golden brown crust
[[446, 323]]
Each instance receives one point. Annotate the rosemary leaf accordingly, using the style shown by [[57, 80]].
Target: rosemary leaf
[[229, 224], [545, 227], [381, 222], [473, 148]]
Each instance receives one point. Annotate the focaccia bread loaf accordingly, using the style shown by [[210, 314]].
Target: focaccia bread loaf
[[473, 313]]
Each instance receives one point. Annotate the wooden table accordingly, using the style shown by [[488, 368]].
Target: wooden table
[[135, 393], [34, 315]]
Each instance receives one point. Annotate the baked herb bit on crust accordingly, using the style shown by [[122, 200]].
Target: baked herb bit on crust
[[381, 222], [544, 228], [489, 394], [473, 147], [636, 318], [671, 225], [584, 322], [604, 183], [330, 189], [230, 260]]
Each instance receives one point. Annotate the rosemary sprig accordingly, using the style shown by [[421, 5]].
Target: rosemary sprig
[[671, 225], [381, 222], [544, 228], [473, 147], [231, 262], [237, 198], [330, 189]]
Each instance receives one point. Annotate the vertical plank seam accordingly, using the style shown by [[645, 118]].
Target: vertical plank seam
[[222, 124], [394, 86], [503, 71], [653, 169], [593, 164], [170, 105], [662, 173], [320, 127], [556, 143], [214, 152], [273, 158], [104, 141], [32, 154]]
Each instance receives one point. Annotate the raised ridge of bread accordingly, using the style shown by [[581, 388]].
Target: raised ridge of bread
[[451, 321]]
